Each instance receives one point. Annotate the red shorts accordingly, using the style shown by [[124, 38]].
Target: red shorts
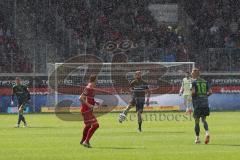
[[89, 118]]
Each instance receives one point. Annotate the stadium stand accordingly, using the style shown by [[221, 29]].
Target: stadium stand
[[42, 33]]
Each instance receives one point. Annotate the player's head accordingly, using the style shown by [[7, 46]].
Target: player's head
[[18, 80], [187, 74], [138, 75], [93, 78], [195, 72]]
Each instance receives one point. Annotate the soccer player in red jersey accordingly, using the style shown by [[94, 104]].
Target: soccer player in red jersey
[[87, 105]]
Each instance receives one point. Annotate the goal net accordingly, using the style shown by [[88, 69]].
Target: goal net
[[67, 81]]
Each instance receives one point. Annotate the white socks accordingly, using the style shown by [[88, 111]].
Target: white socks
[[207, 133]]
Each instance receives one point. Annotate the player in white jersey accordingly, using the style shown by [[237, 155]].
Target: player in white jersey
[[186, 91]]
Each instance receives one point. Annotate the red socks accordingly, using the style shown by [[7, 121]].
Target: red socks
[[85, 132], [91, 131]]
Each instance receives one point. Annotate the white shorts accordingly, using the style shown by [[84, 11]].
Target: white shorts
[[188, 101]]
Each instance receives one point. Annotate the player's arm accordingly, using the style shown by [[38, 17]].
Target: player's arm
[[194, 88], [12, 97], [83, 99], [28, 93], [148, 94], [181, 89], [209, 90], [191, 86], [131, 86]]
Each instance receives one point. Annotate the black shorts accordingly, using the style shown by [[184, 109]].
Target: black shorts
[[138, 102], [20, 103], [201, 108]]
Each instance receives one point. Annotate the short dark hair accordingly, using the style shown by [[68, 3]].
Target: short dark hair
[[92, 78], [195, 69]]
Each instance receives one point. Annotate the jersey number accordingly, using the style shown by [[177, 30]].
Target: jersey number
[[202, 88]]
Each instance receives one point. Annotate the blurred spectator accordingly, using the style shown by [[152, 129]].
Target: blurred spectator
[[108, 27]]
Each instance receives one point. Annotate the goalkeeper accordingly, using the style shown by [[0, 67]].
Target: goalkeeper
[[138, 88], [186, 91], [23, 96]]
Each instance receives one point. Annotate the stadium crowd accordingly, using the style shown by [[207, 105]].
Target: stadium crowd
[[107, 27], [216, 29], [13, 59], [216, 23]]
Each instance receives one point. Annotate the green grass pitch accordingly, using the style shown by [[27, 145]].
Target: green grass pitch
[[51, 138]]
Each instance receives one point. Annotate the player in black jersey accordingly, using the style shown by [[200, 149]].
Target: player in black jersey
[[23, 96], [139, 89], [200, 92]]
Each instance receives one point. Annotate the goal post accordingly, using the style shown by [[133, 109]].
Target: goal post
[[67, 81]]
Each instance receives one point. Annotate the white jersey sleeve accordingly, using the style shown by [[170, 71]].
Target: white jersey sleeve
[[187, 86]]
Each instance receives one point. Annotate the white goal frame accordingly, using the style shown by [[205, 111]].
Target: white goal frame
[[170, 64]]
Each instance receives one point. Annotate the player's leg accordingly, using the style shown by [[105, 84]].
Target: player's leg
[[132, 103], [20, 113], [90, 133], [189, 104], [139, 109], [197, 129], [122, 116], [24, 121], [185, 102], [205, 125], [196, 115], [85, 132], [19, 121], [139, 115], [128, 108], [22, 108], [90, 120], [205, 111]]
